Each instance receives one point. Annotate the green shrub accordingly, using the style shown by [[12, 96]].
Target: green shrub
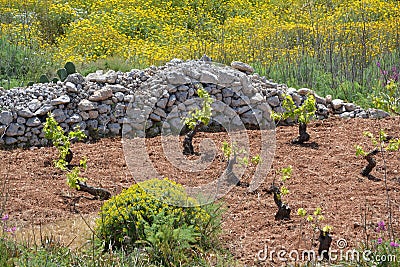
[[158, 215]]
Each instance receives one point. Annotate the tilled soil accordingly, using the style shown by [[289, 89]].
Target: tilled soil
[[326, 174]]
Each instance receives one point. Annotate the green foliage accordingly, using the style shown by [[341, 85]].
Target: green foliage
[[70, 68], [62, 74], [303, 113], [256, 159], [171, 233], [200, 115], [381, 142], [44, 79], [389, 98], [315, 219], [286, 173], [62, 142]]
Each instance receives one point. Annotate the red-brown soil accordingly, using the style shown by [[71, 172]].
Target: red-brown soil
[[326, 174]]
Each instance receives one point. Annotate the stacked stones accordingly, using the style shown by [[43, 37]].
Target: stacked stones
[[149, 101]]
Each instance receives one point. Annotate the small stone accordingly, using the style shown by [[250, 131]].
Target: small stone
[[34, 104], [377, 113], [25, 112], [273, 101], [75, 78], [305, 91], [328, 99], [162, 103], [33, 122], [86, 105], [114, 128], [101, 94], [242, 67], [46, 108], [71, 87], [337, 103], [93, 114], [10, 140], [15, 129], [155, 117], [64, 99], [119, 96], [6, 117], [350, 106], [103, 108]]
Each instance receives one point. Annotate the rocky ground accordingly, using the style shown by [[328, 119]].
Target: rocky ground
[[326, 174]]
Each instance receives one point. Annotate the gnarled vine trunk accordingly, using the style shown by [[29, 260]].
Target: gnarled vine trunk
[[371, 162], [99, 193], [303, 135], [283, 209], [187, 142], [325, 241]]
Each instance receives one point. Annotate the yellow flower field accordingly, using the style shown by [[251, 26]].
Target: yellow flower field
[[155, 31]]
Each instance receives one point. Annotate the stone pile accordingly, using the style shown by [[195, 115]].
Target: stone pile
[[146, 102]]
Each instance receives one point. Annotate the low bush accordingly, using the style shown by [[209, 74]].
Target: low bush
[[160, 217]]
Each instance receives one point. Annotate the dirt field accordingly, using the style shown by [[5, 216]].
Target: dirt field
[[326, 174]]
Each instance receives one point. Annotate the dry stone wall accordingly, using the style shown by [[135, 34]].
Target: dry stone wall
[[146, 102]]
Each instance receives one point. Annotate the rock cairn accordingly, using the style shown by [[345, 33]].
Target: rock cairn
[[146, 102]]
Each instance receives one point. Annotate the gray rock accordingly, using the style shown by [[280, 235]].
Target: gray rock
[[129, 98], [83, 114], [305, 91], [102, 94], [59, 115], [320, 100], [21, 120], [177, 78], [273, 101], [257, 98], [86, 105], [226, 92], [64, 99], [71, 87], [114, 128], [242, 67], [162, 103], [171, 101], [328, 99], [160, 112], [350, 106], [337, 103], [103, 108], [34, 104], [93, 114], [181, 96], [15, 129], [243, 109], [11, 141], [25, 112], [92, 124], [43, 110], [347, 115], [377, 113], [6, 117], [75, 78], [119, 110], [155, 117], [322, 110], [33, 122], [208, 77], [117, 88], [2, 130], [75, 118], [119, 96]]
